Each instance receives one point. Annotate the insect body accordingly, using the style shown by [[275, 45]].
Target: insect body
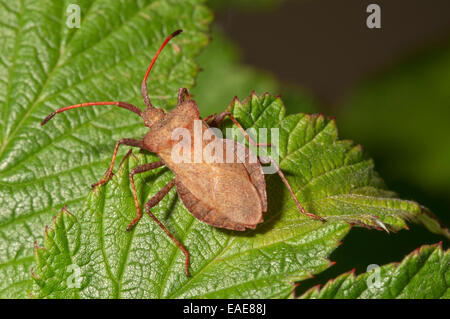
[[225, 195]]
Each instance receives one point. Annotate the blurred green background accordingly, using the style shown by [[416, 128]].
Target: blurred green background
[[389, 89]]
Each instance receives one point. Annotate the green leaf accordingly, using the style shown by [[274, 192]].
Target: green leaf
[[45, 65], [331, 178], [422, 274], [336, 178]]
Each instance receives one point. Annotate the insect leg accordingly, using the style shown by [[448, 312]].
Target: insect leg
[[267, 160], [109, 172], [153, 202], [216, 119], [182, 94], [137, 170]]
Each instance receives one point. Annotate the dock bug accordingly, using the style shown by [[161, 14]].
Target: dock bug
[[224, 195]]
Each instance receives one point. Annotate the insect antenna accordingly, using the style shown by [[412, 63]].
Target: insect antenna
[[124, 105], [144, 81]]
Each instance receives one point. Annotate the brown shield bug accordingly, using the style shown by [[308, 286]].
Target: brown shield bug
[[224, 195]]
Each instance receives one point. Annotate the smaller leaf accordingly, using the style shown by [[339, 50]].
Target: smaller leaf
[[334, 178], [422, 274]]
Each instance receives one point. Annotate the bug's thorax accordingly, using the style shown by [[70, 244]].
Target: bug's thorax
[[159, 136]]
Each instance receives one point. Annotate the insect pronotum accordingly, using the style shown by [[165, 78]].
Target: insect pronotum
[[224, 195]]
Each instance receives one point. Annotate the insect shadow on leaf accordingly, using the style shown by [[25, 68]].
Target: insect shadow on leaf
[[225, 195]]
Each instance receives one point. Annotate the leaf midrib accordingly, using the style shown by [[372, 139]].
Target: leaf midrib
[[423, 264], [67, 248], [102, 242], [66, 134], [35, 101], [11, 73], [58, 65]]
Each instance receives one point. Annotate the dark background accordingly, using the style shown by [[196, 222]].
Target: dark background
[[324, 46]]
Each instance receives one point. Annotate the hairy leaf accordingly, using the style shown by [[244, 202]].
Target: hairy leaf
[[331, 178], [425, 273], [44, 65], [336, 178]]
